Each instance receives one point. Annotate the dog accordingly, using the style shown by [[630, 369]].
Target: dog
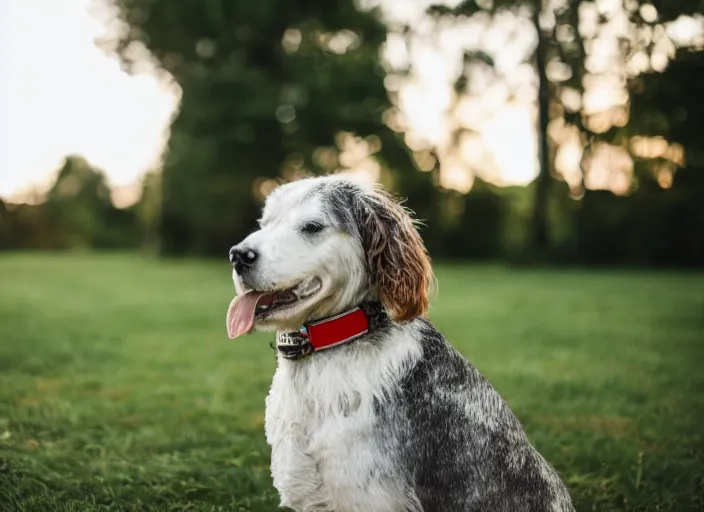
[[370, 408]]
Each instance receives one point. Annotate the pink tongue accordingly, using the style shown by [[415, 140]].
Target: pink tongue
[[240, 314]]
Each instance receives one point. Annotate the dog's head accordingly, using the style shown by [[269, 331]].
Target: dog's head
[[326, 244]]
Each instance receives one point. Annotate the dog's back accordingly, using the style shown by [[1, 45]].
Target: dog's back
[[463, 447]]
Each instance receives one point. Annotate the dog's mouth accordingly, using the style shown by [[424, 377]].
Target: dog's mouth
[[258, 305], [271, 302]]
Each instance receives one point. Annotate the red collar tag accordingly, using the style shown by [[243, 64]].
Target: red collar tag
[[337, 329]]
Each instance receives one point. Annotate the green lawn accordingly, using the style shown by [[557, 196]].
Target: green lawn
[[119, 389]]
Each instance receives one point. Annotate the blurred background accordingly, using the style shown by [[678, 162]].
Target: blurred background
[[535, 139], [563, 131]]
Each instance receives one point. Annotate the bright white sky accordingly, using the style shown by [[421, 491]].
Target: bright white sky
[[61, 95]]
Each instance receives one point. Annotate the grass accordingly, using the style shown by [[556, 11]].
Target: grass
[[120, 391]]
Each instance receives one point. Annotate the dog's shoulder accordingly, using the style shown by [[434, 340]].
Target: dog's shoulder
[[447, 376]]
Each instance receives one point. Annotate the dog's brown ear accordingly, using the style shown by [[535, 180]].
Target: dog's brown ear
[[397, 259]]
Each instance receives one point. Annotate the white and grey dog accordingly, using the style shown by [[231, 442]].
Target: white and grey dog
[[393, 419]]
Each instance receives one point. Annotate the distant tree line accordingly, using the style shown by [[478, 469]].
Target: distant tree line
[[77, 213], [650, 227]]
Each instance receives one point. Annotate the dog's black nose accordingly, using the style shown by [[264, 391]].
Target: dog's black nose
[[242, 257]]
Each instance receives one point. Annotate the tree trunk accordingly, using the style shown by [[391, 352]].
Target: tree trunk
[[540, 237]]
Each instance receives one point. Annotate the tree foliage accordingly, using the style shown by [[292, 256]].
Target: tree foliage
[[566, 60], [267, 89]]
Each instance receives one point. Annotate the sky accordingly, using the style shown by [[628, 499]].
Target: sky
[[62, 95]]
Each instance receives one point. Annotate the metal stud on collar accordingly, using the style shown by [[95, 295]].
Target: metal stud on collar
[[293, 345]]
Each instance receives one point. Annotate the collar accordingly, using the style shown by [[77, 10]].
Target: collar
[[330, 332]]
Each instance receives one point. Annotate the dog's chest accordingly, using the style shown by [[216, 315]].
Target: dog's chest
[[326, 444]]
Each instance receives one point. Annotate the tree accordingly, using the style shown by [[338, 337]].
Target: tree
[[565, 32], [541, 54], [80, 206], [270, 91]]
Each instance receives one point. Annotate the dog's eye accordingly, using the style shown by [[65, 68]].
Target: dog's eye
[[312, 227]]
